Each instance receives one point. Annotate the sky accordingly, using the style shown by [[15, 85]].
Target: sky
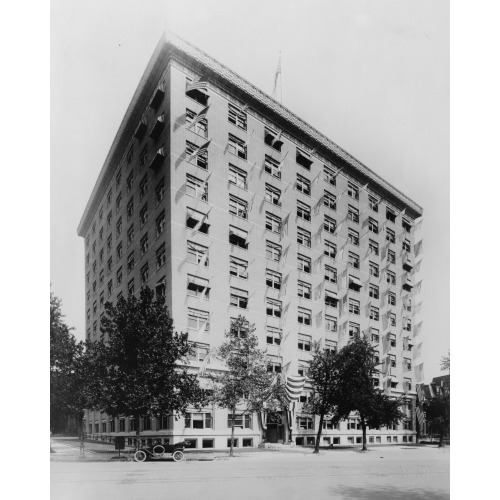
[[371, 76]]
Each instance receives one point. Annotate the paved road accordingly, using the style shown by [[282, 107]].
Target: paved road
[[380, 474]]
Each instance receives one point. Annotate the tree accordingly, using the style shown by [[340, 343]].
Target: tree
[[322, 375], [138, 371], [356, 368], [445, 362], [67, 397], [437, 413], [246, 386]]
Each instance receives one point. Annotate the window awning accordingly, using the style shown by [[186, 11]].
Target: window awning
[[354, 280], [408, 261], [301, 152], [238, 232], [331, 295], [193, 214], [198, 281], [409, 282]]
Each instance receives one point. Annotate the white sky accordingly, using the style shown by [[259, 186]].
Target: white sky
[[372, 76]]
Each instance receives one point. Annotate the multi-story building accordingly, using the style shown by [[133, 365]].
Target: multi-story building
[[223, 200]]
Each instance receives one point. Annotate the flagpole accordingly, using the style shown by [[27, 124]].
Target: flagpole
[[281, 82]]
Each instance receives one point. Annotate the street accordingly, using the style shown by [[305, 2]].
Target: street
[[383, 473]]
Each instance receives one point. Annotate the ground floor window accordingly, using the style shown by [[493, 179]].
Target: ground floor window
[[207, 443], [235, 443], [326, 441], [378, 439], [389, 440], [395, 439], [336, 440], [247, 442], [311, 440], [358, 439], [198, 420], [350, 439], [193, 443], [370, 439], [299, 441]]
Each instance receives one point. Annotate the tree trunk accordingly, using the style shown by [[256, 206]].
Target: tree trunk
[[318, 436], [231, 454], [417, 426], [137, 431], [441, 438], [81, 434], [363, 428]]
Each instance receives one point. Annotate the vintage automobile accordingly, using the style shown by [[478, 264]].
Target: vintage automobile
[[156, 451]]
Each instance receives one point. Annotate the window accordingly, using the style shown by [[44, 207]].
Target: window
[[330, 201], [373, 225], [160, 224], [109, 242], [304, 343], [374, 313], [237, 147], [273, 335], [130, 182], [406, 225], [391, 298], [273, 364], [330, 274], [273, 308], [94, 287], [305, 423], [101, 211], [143, 187], [273, 139], [197, 254], [273, 251], [392, 340], [406, 245], [243, 421], [93, 248], [110, 287], [353, 191], [304, 290], [303, 237], [273, 195], [238, 237], [130, 262], [330, 324], [238, 207], [160, 191], [130, 208], [101, 233], [198, 287], [196, 123], [198, 320], [143, 155], [373, 203], [110, 264], [144, 214], [304, 264], [375, 337], [197, 155], [408, 325], [239, 298], [353, 214], [329, 176], [238, 267], [197, 90], [273, 222], [303, 185], [373, 291], [108, 219], [197, 221], [353, 260], [119, 227], [353, 306], [273, 279], [196, 188], [198, 420], [160, 256], [304, 316], [353, 330], [303, 211], [330, 249], [94, 267], [353, 237], [160, 288], [329, 224], [391, 278], [390, 215], [101, 255], [392, 360], [373, 269], [101, 277], [390, 235], [101, 300], [331, 299], [373, 247], [391, 256], [304, 159], [118, 177], [144, 244], [272, 167], [237, 177], [354, 283], [237, 117], [392, 320], [119, 250], [119, 276]]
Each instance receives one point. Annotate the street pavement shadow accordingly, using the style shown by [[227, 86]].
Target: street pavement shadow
[[386, 493]]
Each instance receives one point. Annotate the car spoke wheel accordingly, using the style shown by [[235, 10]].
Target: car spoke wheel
[[140, 456], [159, 450], [177, 456]]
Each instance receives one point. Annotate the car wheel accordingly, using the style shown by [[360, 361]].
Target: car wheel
[[140, 456], [159, 450], [177, 456]]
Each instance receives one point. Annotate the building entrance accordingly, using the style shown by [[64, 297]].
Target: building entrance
[[275, 430]]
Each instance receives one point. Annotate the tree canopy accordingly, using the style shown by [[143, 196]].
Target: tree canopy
[[140, 368]]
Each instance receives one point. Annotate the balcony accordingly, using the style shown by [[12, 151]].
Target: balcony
[[158, 159], [141, 128], [157, 96], [158, 127]]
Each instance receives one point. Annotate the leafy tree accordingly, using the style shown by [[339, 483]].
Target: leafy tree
[[138, 371], [246, 386], [67, 376], [437, 414], [322, 375], [356, 367], [445, 362]]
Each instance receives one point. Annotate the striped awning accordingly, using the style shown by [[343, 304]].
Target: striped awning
[[294, 386], [354, 280]]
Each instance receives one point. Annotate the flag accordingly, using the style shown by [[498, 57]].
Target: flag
[[418, 308], [419, 373], [418, 248], [196, 84], [417, 328], [202, 149], [417, 224], [319, 317], [416, 269], [284, 227], [420, 417], [276, 139], [202, 114], [364, 187], [418, 351], [278, 74], [420, 393]]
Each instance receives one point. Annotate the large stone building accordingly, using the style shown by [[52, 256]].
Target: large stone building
[[223, 200]]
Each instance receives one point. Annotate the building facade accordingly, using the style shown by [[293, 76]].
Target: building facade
[[227, 203]]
